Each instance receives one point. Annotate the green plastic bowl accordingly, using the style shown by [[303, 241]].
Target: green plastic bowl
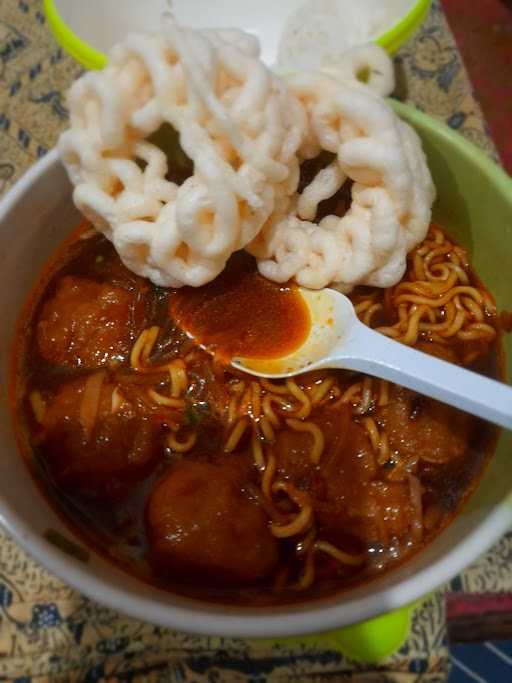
[[400, 33], [91, 58], [87, 56]]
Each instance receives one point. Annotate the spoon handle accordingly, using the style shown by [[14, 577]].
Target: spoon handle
[[373, 353]]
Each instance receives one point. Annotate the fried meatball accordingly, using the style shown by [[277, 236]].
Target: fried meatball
[[201, 526], [89, 324], [385, 511], [422, 427], [340, 484], [96, 445]]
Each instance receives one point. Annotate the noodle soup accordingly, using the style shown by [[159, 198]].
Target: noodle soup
[[210, 483]]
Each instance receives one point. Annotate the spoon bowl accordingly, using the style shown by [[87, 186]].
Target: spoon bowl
[[338, 339]]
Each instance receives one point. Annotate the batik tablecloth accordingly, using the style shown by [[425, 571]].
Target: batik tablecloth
[[49, 632]]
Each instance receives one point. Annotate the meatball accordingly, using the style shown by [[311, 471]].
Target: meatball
[[200, 525], [94, 444], [293, 448], [89, 324], [352, 507], [347, 468], [385, 511], [419, 426]]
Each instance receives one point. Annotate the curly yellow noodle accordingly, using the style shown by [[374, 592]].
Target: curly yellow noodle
[[136, 351], [449, 315], [245, 402], [257, 451], [461, 274], [319, 391], [383, 456], [477, 331], [268, 399], [373, 432], [302, 520], [339, 555], [116, 400], [178, 375], [428, 288], [236, 435], [349, 395], [473, 308], [149, 343], [442, 300], [182, 446], [267, 429], [455, 326], [268, 475], [167, 401], [367, 318], [316, 433], [307, 576], [301, 397], [383, 393], [273, 388], [434, 253], [366, 397], [419, 270], [411, 334]]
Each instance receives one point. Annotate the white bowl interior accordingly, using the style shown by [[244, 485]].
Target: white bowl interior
[[34, 218], [103, 24]]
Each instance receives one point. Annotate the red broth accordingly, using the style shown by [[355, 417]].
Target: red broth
[[242, 314], [206, 482]]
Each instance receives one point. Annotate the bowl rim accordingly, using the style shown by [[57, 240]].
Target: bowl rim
[[265, 622], [82, 52], [393, 39]]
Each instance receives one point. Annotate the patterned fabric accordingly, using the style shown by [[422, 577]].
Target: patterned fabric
[[49, 632]]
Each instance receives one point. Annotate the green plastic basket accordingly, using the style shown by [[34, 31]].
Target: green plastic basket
[[90, 58]]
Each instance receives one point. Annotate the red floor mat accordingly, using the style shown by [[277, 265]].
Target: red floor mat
[[483, 30]]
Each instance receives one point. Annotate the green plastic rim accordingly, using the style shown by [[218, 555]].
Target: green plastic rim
[[370, 641], [90, 58], [400, 33], [469, 151], [84, 54]]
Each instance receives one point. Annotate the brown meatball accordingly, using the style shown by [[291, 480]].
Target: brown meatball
[[352, 508], [339, 485], [97, 452], [419, 426], [385, 511], [200, 525], [352, 503], [347, 468], [88, 323]]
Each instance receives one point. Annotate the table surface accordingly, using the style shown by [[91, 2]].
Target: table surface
[[49, 632]]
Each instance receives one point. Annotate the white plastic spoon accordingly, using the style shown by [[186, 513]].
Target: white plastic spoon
[[338, 339]]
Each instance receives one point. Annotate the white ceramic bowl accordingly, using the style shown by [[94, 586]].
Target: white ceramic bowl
[[34, 217]]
